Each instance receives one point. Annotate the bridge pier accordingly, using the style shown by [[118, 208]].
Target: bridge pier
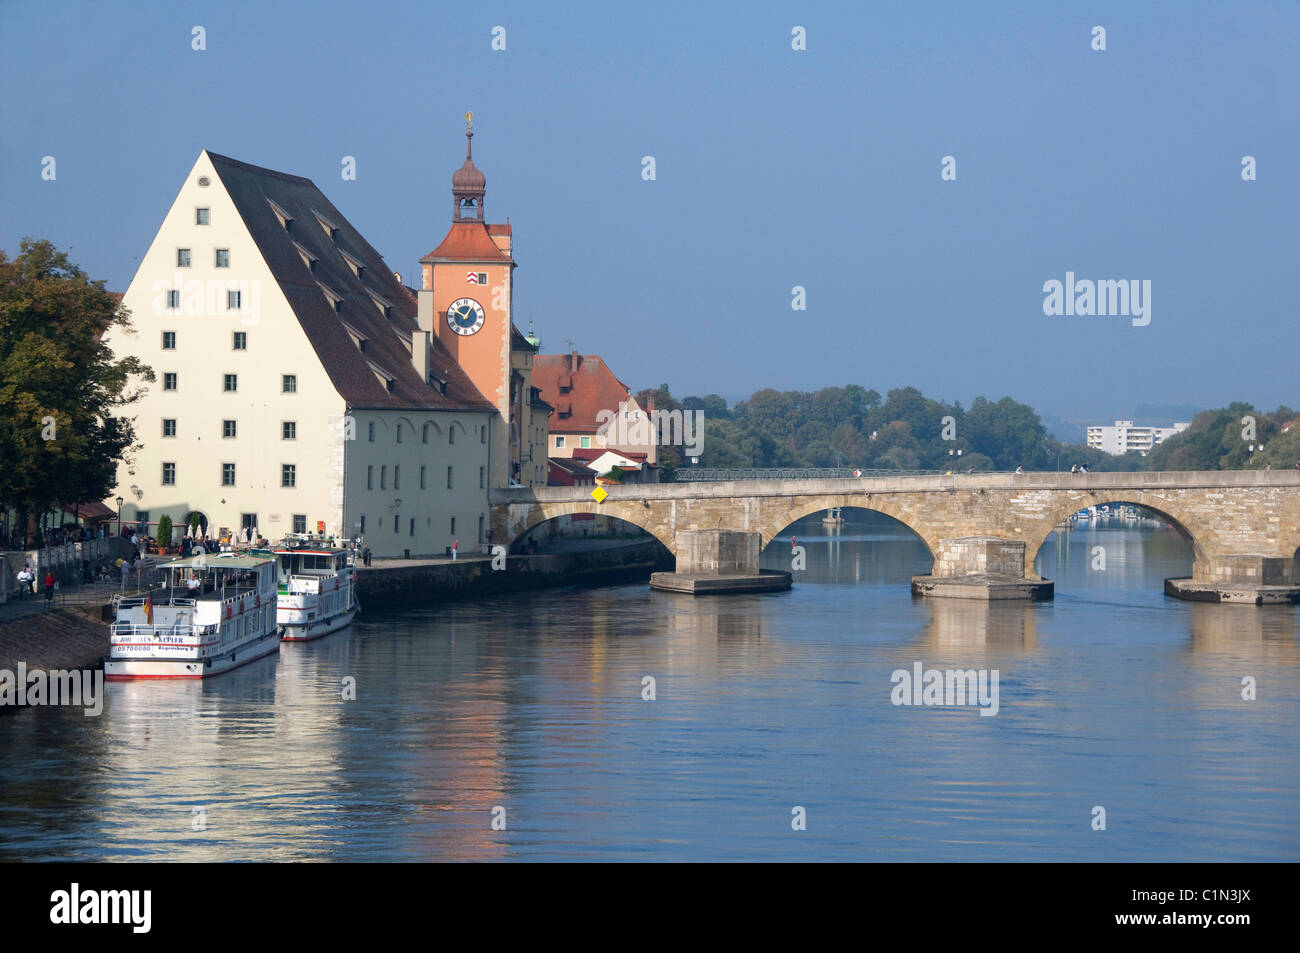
[[981, 567], [712, 561], [1240, 579]]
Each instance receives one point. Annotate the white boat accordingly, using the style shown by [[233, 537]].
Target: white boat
[[215, 613], [317, 591]]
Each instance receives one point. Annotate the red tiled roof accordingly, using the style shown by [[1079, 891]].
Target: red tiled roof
[[593, 388], [467, 241], [498, 229], [592, 453]]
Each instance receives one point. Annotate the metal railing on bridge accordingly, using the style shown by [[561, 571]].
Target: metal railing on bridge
[[716, 474]]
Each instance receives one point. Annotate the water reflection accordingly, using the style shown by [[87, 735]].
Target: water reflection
[[1112, 694]]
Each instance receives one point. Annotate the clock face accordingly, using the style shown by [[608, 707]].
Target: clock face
[[465, 316]]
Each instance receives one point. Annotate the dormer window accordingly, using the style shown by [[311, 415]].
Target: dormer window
[[385, 308], [307, 257], [357, 267], [335, 299], [358, 338], [286, 220], [383, 377], [330, 228]]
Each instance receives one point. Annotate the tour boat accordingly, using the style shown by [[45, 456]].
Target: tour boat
[[317, 589], [215, 613]]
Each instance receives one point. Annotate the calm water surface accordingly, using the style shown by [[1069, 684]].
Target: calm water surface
[[1111, 695]]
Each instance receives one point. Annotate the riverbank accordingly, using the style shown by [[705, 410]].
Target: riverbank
[[58, 640], [406, 582]]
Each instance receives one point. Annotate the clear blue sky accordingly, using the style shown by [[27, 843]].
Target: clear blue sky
[[775, 168]]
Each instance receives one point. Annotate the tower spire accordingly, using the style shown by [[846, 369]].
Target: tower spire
[[468, 184]]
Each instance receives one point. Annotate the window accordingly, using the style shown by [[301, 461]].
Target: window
[[453, 526], [202, 216], [169, 426], [223, 257], [383, 478], [169, 382], [289, 430], [422, 477], [233, 300], [480, 527], [395, 519], [241, 339], [412, 526], [482, 478], [449, 480], [585, 442], [451, 434], [482, 434], [228, 429], [370, 477], [288, 475], [169, 340], [173, 299], [362, 527], [227, 474], [559, 442], [169, 474], [300, 522], [182, 258], [289, 384], [424, 434], [231, 383], [397, 477], [370, 429], [482, 278]]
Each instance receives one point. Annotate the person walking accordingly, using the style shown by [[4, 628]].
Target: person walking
[[455, 546], [24, 582], [49, 587], [365, 556]]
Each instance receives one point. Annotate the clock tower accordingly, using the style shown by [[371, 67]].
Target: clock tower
[[465, 299]]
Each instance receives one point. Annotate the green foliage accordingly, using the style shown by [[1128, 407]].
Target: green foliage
[[164, 531], [59, 384]]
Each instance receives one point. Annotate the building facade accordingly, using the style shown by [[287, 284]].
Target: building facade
[[594, 410], [295, 389], [1124, 437]]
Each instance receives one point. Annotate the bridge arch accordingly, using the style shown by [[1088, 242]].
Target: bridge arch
[[885, 504], [540, 513], [1188, 525]]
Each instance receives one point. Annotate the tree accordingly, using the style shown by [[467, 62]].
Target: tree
[[164, 531], [59, 383]]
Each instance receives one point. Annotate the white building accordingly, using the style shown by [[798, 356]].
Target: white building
[[295, 388], [1124, 436]]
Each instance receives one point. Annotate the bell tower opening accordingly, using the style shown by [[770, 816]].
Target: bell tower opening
[[468, 184]]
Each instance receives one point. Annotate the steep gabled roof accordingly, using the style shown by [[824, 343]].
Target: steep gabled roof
[[262, 196], [591, 388]]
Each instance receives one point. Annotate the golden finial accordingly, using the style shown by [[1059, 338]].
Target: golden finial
[[469, 120]]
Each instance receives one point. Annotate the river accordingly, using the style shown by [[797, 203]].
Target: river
[[770, 712]]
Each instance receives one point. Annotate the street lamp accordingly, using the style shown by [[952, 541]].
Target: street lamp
[[119, 516]]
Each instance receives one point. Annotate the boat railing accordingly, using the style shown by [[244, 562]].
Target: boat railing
[[192, 634]]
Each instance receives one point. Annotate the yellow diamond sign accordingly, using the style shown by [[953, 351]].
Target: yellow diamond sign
[[599, 494]]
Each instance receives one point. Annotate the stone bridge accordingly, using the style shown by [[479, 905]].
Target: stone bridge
[[1243, 525]]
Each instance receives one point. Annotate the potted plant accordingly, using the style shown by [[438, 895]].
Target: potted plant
[[164, 533]]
